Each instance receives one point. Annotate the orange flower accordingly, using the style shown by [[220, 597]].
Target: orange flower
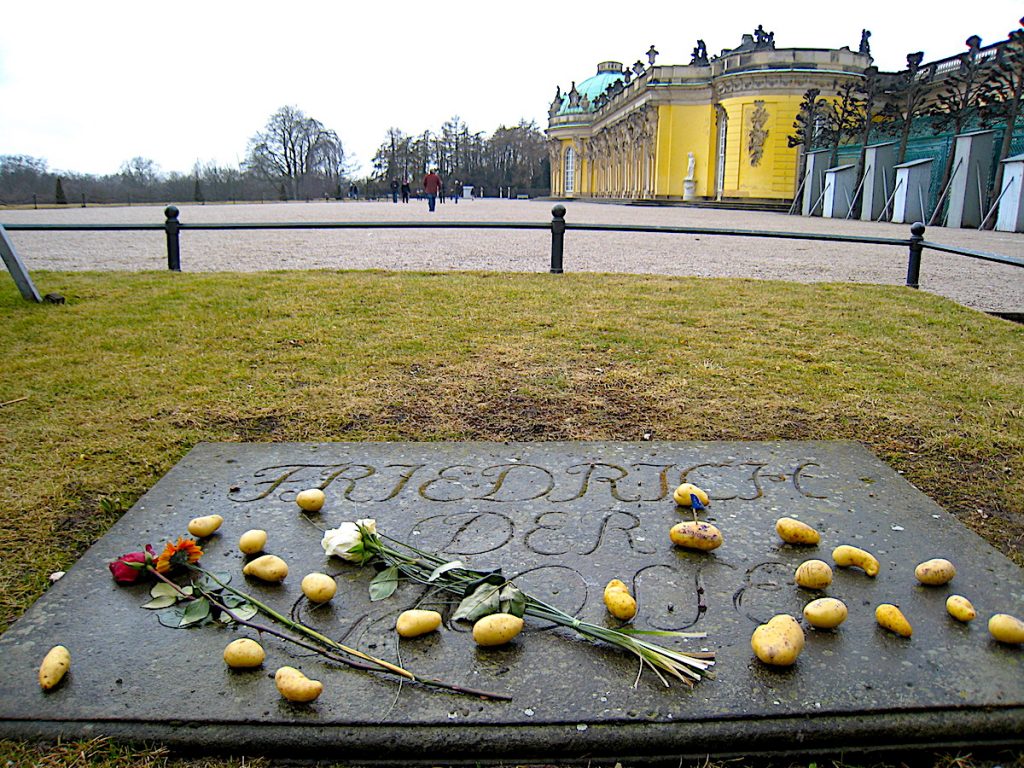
[[184, 552]]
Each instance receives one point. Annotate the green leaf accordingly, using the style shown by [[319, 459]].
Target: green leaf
[[493, 577], [195, 612], [246, 611], [384, 584], [163, 601], [483, 601], [512, 600], [171, 617], [162, 589], [445, 568]]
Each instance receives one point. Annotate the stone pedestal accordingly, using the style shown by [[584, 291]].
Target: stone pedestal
[[689, 189], [840, 186], [879, 178], [1011, 205], [972, 163], [814, 172], [913, 181]]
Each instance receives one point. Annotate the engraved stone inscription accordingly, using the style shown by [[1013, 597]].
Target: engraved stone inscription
[[561, 520]]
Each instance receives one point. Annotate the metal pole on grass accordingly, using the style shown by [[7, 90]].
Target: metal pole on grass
[[557, 238], [171, 226], [914, 263]]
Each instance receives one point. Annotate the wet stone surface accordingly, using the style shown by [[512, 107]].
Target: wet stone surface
[[563, 519]]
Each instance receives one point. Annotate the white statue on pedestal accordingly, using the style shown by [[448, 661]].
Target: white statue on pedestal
[[689, 185]]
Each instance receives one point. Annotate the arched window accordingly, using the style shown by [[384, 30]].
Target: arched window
[[570, 171]]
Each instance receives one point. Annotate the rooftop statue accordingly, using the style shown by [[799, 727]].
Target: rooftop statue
[[763, 40], [865, 46], [699, 57], [651, 54]]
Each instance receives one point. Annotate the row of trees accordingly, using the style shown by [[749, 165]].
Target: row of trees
[[983, 89], [510, 157], [296, 156]]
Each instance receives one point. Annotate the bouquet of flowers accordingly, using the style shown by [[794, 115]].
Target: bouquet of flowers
[[482, 593]]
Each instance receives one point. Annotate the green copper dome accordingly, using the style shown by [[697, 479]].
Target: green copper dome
[[607, 73]]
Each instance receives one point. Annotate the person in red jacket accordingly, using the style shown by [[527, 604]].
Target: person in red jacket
[[431, 186]]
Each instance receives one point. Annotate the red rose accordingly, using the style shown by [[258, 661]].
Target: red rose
[[128, 569]]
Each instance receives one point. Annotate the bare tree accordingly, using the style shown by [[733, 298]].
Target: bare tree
[[907, 96], [807, 126], [958, 103], [844, 117], [293, 147]]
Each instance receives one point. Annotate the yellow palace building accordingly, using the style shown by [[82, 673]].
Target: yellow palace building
[[714, 129]]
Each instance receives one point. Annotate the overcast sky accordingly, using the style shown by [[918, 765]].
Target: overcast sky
[[88, 85]]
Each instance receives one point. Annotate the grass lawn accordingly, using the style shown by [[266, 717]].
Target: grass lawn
[[101, 396]]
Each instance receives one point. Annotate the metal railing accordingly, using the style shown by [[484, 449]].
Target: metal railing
[[558, 226]]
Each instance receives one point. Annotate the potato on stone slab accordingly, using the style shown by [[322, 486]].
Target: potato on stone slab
[[1006, 629], [618, 601], [267, 568], [935, 572], [696, 534], [779, 641], [55, 665], [793, 531], [295, 686]]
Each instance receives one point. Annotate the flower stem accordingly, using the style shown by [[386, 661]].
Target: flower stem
[[326, 653], [303, 629]]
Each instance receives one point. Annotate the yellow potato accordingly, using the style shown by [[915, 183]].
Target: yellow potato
[[252, 541], [244, 653], [696, 534], [417, 622], [813, 574], [935, 572], [295, 686], [845, 556], [55, 665], [497, 629], [311, 500], [825, 612], [890, 617], [204, 526], [778, 642], [267, 568], [1006, 628], [681, 495], [319, 587], [619, 602], [960, 608], [794, 531]]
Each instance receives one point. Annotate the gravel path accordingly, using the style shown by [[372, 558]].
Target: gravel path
[[982, 285]]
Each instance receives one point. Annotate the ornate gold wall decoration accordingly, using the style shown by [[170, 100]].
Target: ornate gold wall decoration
[[758, 132]]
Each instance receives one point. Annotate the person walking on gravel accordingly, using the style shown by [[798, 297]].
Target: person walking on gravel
[[431, 186]]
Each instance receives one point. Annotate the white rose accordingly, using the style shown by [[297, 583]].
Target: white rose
[[345, 542], [368, 524]]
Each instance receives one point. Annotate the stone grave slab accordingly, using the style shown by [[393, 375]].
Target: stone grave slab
[[565, 518]]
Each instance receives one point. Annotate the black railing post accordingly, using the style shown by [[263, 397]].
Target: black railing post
[[557, 238], [914, 263], [172, 225]]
